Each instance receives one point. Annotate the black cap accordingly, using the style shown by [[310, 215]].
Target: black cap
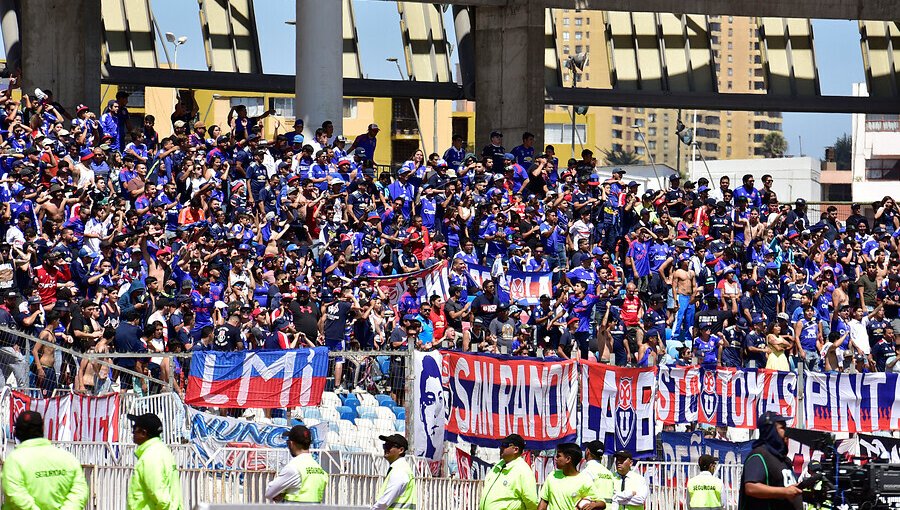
[[596, 447], [623, 455], [515, 440], [29, 424], [149, 422], [299, 434], [769, 418], [396, 440]]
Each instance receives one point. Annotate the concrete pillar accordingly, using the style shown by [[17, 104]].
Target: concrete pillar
[[62, 56], [320, 74], [509, 72], [9, 25]]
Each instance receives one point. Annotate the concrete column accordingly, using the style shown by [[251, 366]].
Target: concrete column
[[62, 56], [509, 72], [320, 74]]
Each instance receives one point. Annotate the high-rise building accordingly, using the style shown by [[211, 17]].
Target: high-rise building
[[720, 134]]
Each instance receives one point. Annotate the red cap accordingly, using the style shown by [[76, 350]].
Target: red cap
[[163, 251]]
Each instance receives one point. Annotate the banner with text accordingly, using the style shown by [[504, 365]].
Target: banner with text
[[264, 379], [72, 417], [619, 407], [492, 396], [687, 447], [733, 397], [852, 402]]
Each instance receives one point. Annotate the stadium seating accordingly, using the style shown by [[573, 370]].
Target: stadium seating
[[330, 399], [385, 400], [346, 413], [399, 412], [369, 412], [351, 400], [311, 412], [384, 413], [400, 425]]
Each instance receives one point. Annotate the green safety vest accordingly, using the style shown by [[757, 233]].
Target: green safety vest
[[155, 481], [407, 499], [604, 483], [39, 475], [704, 492], [313, 480]]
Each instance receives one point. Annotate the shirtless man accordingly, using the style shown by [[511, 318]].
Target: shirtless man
[[684, 288], [93, 375], [754, 228], [53, 205], [830, 350], [840, 296], [43, 373]]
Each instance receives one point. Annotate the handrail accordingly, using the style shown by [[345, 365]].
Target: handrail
[[94, 357]]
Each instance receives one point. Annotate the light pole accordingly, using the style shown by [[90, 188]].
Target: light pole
[[637, 128], [175, 42], [576, 64], [412, 103]]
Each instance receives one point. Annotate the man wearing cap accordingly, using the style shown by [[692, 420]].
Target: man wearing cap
[[302, 480], [398, 491], [604, 482], [767, 479], [631, 490], [367, 141], [706, 491], [510, 483], [675, 199], [38, 475], [155, 482], [494, 151]]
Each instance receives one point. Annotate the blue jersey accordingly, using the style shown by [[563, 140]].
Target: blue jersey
[[707, 350], [203, 308], [581, 308], [524, 155], [658, 252], [638, 252], [580, 274], [809, 334]]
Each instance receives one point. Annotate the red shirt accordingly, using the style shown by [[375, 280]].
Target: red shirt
[[630, 308], [47, 280], [439, 321]]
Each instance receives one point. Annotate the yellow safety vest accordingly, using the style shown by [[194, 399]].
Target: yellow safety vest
[[704, 492], [604, 483], [313, 480], [407, 499]]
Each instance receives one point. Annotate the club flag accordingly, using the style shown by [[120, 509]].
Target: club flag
[[527, 288]]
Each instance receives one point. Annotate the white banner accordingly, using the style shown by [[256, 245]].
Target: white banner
[[428, 396]]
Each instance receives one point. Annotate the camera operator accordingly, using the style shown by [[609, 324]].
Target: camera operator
[[768, 480]]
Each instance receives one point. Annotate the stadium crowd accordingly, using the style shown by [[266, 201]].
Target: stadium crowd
[[115, 239]]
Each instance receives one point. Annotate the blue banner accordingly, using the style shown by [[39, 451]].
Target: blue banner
[[689, 446]]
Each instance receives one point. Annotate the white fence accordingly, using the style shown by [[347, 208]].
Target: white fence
[[667, 482]]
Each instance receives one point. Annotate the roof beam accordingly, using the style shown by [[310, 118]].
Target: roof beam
[[720, 101], [886, 10]]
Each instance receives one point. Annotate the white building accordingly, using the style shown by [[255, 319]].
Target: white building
[[793, 177], [876, 154]]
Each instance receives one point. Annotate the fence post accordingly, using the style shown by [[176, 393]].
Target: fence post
[[408, 397]]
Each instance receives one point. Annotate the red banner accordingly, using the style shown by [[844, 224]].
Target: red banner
[[72, 417]]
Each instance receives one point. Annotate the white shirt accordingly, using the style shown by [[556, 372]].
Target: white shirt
[[634, 482], [15, 237], [396, 484], [96, 227], [859, 336]]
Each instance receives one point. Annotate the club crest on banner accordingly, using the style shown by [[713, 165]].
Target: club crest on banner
[[708, 398], [517, 287], [625, 419]]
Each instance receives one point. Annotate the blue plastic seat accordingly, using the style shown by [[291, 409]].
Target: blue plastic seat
[[347, 413], [312, 412], [400, 425], [385, 400], [399, 412], [351, 400]]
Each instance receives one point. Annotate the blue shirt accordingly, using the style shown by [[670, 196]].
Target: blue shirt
[[367, 144], [753, 198], [581, 308], [524, 155], [203, 308], [638, 252]]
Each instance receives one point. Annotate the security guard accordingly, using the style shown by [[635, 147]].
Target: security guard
[[398, 492], [631, 489], [705, 491], [39, 475], [155, 482], [510, 484], [604, 483], [302, 480]]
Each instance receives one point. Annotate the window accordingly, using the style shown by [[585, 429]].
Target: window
[[135, 95], [731, 19], [730, 86], [617, 146], [883, 169], [730, 71], [617, 133], [562, 133], [728, 137], [730, 46], [728, 124], [727, 152], [577, 22], [617, 120], [349, 108], [254, 105], [579, 48], [651, 117], [639, 122], [639, 151], [730, 59], [639, 110], [651, 131], [730, 32], [565, 36], [578, 36], [588, 21], [565, 49], [565, 22], [652, 145], [283, 106]]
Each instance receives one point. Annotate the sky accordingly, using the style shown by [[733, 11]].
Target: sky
[[836, 45]]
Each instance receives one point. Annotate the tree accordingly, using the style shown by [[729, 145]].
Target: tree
[[621, 157], [843, 147], [774, 145]]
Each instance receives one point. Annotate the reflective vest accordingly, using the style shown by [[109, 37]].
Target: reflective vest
[[313, 481], [604, 483], [704, 492], [407, 498]]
